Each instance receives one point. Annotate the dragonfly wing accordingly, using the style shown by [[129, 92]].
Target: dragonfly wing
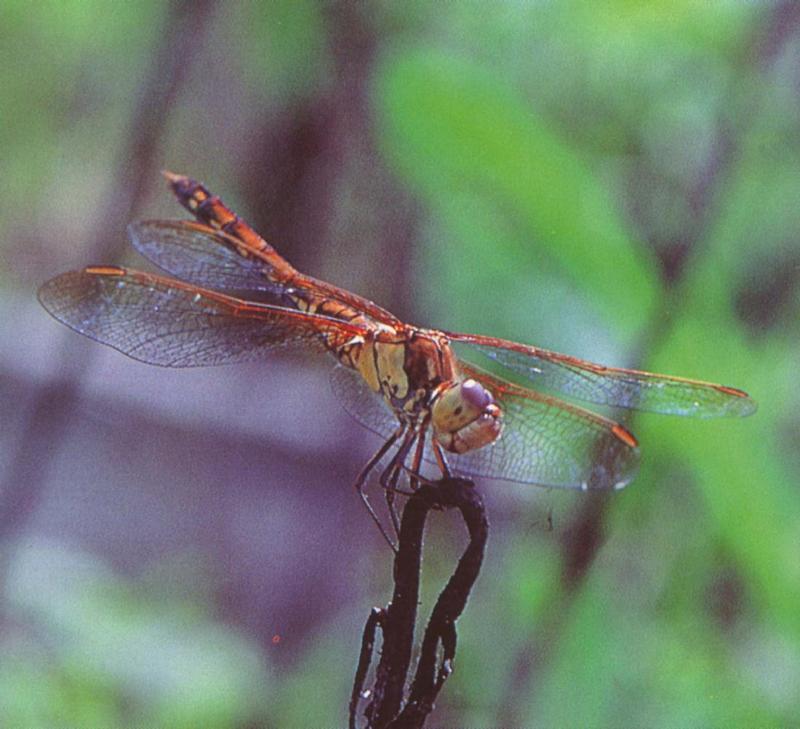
[[365, 406], [609, 385], [548, 442], [166, 322], [544, 441], [216, 260], [206, 257]]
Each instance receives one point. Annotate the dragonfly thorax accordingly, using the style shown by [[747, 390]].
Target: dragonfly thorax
[[419, 379], [407, 368]]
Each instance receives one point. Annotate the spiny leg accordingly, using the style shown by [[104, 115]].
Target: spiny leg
[[415, 476], [362, 478], [441, 461], [391, 475], [416, 464]]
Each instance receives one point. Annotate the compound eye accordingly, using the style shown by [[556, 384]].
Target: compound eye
[[476, 394]]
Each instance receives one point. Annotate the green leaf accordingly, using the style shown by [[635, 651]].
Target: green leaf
[[453, 129]]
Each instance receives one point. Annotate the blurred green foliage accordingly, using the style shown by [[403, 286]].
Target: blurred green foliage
[[559, 155], [476, 153], [115, 653]]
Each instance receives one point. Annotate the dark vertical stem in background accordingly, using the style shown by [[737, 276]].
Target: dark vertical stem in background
[[320, 150], [184, 29], [584, 534], [182, 37]]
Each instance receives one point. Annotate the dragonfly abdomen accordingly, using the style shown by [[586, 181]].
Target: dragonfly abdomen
[[211, 210]]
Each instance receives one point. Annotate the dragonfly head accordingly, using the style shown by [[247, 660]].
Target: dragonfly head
[[465, 416]]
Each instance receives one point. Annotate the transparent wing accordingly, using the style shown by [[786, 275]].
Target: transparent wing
[[165, 322], [362, 404], [609, 385], [206, 257], [548, 442], [216, 260], [544, 442]]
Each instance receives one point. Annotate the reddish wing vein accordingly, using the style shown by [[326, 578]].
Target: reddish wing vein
[[166, 322], [609, 385]]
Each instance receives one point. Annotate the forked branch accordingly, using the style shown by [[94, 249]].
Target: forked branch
[[389, 708]]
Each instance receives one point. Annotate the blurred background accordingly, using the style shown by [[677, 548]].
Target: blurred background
[[183, 548]]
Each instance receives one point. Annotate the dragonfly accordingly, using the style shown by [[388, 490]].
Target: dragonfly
[[231, 297]]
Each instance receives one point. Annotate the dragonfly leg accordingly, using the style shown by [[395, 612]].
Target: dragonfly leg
[[389, 495], [362, 479], [441, 460], [391, 475], [416, 463], [413, 471]]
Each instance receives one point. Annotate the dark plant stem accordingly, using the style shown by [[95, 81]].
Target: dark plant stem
[[387, 709], [377, 617]]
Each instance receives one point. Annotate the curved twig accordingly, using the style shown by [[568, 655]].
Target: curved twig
[[387, 708]]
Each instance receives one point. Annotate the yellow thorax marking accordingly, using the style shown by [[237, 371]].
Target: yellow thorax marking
[[366, 366], [381, 365], [390, 361]]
